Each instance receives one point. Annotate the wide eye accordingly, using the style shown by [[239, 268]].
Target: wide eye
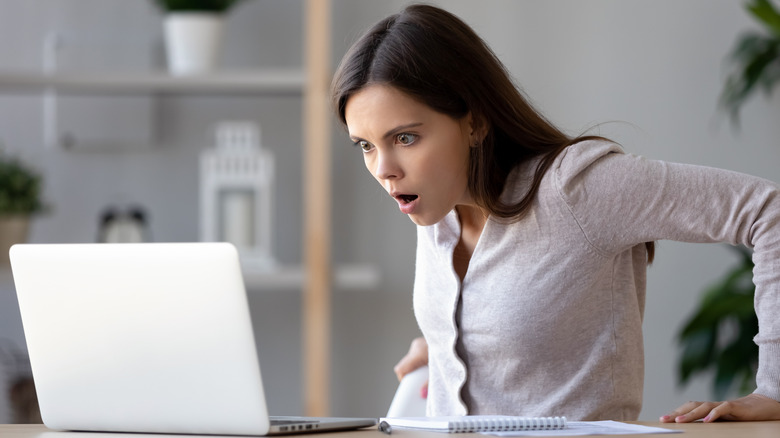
[[406, 139], [362, 144]]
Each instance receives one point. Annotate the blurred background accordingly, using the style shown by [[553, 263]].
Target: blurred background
[[647, 73]]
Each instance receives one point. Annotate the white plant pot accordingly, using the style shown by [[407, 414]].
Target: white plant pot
[[192, 41]]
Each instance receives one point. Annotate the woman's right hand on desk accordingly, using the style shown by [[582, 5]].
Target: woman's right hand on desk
[[416, 357], [752, 407]]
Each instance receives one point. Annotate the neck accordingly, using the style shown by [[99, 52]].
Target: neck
[[472, 218], [472, 221]]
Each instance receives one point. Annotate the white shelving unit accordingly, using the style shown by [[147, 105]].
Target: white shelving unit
[[259, 82], [345, 277], [316, 277], [139, 87]]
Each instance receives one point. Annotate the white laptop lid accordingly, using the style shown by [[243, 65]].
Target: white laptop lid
[[140, 338]]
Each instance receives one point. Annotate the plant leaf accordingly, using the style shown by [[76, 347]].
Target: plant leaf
[[697, 353], [726, 368], [754, 55], [737, 361], [765, 12], [731, 353]]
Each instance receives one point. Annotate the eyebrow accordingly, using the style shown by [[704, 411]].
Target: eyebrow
[[394, 131], [398, 129]]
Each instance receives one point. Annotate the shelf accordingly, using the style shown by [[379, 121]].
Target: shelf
[[278, 81], [282, 278], [316, 277], [345, 277]]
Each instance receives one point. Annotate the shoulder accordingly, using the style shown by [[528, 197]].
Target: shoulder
[[592, 172], [579, 157], [571, 163]]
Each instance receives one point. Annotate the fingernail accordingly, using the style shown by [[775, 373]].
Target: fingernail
[[424, 392], [680, 418], [665, 417], [706, 419]]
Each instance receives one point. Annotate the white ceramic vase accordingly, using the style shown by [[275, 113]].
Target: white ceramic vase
[[192, 41]]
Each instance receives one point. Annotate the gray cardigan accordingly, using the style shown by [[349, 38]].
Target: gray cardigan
[[548, 319]]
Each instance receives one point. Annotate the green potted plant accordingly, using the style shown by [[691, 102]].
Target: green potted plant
[[193, 33], [756, 58], [20, 198], [718, 338]]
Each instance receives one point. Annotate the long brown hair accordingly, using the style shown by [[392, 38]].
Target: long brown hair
[[437, 59]]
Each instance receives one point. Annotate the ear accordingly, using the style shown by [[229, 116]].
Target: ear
[[478, 129]]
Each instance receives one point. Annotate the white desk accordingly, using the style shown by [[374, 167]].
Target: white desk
[[765, 429]]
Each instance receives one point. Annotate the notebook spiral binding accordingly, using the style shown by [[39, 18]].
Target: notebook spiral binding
[[507, 424]]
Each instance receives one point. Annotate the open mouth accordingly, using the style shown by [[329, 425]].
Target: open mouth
[[408, 203], [405, 199]]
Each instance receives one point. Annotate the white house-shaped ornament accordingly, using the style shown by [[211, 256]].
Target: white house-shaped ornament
[[236, 193]]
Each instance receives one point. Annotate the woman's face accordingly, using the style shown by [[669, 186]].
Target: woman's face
[[418, 155]]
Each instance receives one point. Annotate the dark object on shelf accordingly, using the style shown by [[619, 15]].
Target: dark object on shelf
[[24, 402], [128, 225]]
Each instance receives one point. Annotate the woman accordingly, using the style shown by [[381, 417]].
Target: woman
[[532, 247]]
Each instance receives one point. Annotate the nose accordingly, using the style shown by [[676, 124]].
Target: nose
[[387, 166]]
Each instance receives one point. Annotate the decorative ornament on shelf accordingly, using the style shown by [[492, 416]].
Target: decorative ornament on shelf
[[124, 225], [193, 33], [20, 199], [236, 193]]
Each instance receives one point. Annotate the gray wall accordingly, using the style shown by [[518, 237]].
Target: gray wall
[[648, 73]]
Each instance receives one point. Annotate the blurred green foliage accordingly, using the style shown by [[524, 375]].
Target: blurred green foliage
[[20, 187], [719, 336], [755, 58]]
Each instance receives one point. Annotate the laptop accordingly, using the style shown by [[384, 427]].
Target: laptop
[[149, 337]]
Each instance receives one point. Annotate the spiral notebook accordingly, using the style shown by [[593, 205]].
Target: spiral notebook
[[474, 423]]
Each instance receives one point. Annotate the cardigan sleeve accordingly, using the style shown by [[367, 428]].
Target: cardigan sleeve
[[620, 200]]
